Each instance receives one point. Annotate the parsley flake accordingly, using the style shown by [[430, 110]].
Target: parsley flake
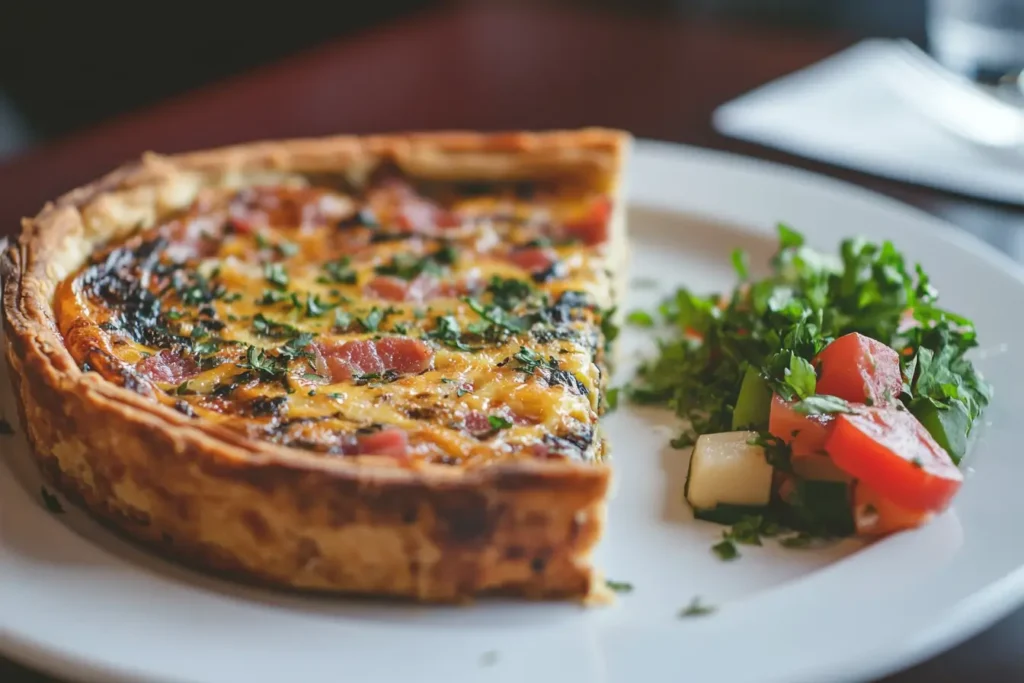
[[696, 609]]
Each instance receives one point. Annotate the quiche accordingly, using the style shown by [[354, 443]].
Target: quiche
[[367, 365]]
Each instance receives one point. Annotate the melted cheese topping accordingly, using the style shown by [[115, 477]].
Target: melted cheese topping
[[464, 324]]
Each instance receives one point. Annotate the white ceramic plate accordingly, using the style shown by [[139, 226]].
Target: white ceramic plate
[[80, 602]]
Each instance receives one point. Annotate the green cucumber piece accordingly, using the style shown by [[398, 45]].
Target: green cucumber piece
[[754, 403]]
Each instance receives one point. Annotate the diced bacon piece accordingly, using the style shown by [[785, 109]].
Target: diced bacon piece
[[167, 366], [403, 355], [533, 259], [286, 207], [592, 227], [391, 442]]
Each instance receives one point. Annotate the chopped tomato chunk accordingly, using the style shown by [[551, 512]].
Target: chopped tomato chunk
[[891, 452], [806, 434], [533, 259], [876, 515], [591, 227], [859, 369], [403, 355]]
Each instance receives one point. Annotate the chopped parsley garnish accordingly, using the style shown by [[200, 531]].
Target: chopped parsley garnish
[[372, 320], [640, 319], [275, 274], [410, 266], [184, 388], [448, 332], [696, 609], [50, 501], [619, 586], [725, 549], [528, 360], [266, 366], [498, 422], [495, 315], [509, 293], [342, 319], [273, 296], [315, 308], [339, 272], [271, 328]]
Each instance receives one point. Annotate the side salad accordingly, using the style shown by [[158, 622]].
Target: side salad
[[832, 397]]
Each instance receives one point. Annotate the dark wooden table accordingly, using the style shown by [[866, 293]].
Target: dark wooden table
[[506, 68]]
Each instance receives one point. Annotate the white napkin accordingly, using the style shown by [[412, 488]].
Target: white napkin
[[844, 111]]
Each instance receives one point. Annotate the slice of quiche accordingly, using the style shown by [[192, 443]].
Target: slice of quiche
[[371, 365]]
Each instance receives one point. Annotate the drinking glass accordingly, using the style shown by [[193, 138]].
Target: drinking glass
[[982, 39]]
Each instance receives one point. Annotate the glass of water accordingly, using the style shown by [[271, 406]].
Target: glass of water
[[982, 39]]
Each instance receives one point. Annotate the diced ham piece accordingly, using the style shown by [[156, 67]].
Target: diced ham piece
[[393, 200], [592, 227], [418, 290], [343, 360], [391, 442], [167, 366], [286, 207], [477, 423], [533, 259]]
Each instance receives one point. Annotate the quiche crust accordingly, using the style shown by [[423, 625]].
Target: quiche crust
[[210, 496]]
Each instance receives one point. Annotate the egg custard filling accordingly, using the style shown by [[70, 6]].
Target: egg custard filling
[[432, 322]]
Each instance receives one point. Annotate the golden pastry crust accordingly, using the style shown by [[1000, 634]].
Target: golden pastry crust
[[219, 499]]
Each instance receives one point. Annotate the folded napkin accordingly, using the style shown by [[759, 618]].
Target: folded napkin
[[845, 111]]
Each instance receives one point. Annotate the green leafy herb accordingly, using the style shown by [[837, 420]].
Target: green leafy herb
[[640, 319], [725, 549], [741, 263], [273, 296], [270, 328], [498, 422], [619, 586], [821, 405], [275, 274], [448, 332], [339, 272], [509, 293], [372, 320], [342, 319], [409, 266], [696, 609], [51, 502]]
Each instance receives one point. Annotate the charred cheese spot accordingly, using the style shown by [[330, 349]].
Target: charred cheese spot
[[449, 323]]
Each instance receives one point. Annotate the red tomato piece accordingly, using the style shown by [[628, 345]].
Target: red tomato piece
[[876, 515], [891, 452], [859, 369], [533, 259], [806, 434], [591, 227]]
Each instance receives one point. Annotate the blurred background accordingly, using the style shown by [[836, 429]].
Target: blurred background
[[66, 65]]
